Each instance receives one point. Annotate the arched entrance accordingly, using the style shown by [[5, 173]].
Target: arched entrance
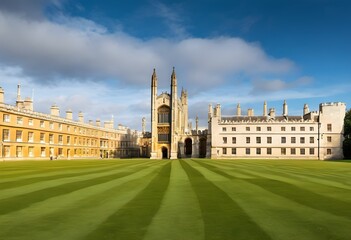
[[164, 153], [202, 150], [188, 147]]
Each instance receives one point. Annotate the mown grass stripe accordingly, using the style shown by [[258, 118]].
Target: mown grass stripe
[[73, 215], [12, 192], [304, 197], [179, 216], [132, 220], [297, 194], [279, 216], [47, 177], [223, 218], [22, 201]]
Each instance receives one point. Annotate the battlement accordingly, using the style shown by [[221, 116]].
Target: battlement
[[332, 104]]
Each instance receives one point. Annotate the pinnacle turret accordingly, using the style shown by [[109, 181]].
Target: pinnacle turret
[[174, 78], [154, 79]]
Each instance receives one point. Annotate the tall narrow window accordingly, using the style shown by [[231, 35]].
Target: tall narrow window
[[269, 151], [30, 136], [283, 151], [329, 127], [19, 120], [234, 151], [233, 140], [6, 118], [269, 139], [19, 151], [6, 135], [302, 140], [258, 139], [42, 137], [311, 139], [224, 140], [164, 115], [247, 139], [247, 150], [19, 136]]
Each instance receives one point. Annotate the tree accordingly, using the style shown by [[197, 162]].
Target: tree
[[347, 135]]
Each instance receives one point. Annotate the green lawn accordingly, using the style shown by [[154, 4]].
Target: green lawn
[[178, 199]]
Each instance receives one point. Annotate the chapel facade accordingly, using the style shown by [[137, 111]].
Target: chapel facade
[[172, 136]]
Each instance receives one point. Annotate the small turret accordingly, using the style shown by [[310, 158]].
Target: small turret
[[272, 113], [19, 101], [250, 112], [210, 111], [285, 108], [218, 111], [197, 124], [154, 79], [143, 125], [265, 109], [238, 110], [305, 109], [174, 78]]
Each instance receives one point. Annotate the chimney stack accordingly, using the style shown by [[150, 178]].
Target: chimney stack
[[69, 115], [80, 117], [55, 111]]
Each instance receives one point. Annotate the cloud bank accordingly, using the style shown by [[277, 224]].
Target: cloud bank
[[77, 48]]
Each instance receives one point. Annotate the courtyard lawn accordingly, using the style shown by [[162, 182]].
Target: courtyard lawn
[[175, 199]]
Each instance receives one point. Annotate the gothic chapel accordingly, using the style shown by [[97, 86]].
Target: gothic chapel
[[171, 134]]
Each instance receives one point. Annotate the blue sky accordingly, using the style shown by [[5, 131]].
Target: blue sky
[[97, 56]]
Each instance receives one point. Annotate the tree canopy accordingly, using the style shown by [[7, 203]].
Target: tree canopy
[[347, 135]]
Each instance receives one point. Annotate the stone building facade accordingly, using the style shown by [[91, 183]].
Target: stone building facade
[[314, 135], [171, 135], [26, 134]]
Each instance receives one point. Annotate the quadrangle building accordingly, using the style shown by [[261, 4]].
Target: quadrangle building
[[313, 135], [27, 134]]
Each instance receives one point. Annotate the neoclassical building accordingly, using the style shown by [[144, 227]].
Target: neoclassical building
[[313, 135], [27, 134], [171, 133]]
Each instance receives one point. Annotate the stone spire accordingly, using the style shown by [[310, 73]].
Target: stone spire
[[154, 79], [197, 123], [174, 78]]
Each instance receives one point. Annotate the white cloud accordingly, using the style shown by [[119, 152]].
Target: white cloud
[[77, 64], [81, 49]]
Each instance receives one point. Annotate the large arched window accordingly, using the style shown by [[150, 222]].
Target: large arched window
[[164, 114]]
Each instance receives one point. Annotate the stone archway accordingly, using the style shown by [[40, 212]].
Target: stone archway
[[188, 147], [202, 150], [164, 153]]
